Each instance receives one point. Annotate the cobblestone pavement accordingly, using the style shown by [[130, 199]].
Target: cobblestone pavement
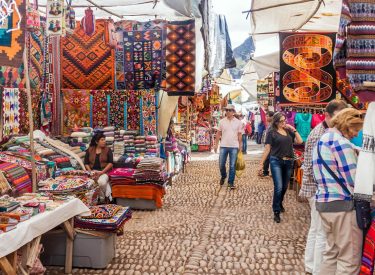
[[203, 229]]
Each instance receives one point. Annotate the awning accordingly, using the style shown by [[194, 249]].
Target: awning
[[271, 17]]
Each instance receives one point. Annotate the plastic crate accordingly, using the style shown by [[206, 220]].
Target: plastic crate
[[89, 251]]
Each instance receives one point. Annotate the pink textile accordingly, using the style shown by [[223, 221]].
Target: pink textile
[[122, 172], [317, 119]]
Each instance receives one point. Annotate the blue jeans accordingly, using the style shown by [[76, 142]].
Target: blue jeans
[[244, 143], [224, 152], [281, 172]]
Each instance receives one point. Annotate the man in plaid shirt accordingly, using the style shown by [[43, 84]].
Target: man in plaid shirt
[[316, 239]]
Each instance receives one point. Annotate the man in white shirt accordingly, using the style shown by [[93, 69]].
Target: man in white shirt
[[230, 137]]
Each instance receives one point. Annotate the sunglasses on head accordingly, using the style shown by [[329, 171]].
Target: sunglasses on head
[[359, 116]]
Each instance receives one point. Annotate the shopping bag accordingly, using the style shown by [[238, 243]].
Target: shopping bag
[[240, 164]]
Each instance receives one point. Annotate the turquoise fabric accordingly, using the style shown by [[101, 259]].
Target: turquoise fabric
[[358, 140], [303, 124]]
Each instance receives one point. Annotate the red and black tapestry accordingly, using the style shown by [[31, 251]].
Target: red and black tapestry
[[307, 75], [99, 109], [180, 56]]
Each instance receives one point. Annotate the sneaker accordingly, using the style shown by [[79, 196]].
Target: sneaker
[[222, 181], [276, 217], [231, 186]]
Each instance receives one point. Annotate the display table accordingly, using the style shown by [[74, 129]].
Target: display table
[[27, 236]]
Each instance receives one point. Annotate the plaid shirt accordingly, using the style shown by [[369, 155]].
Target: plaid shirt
[[341, 158], [308, 188]]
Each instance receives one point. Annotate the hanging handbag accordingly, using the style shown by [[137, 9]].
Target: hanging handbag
[[362, 207], [32, 17]]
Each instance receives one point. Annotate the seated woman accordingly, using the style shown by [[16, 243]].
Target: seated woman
[[99, 159], [334, 165]]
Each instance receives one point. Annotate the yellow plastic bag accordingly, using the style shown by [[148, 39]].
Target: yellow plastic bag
[[240, 164]]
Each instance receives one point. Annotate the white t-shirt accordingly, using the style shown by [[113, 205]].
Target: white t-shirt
[[229, 132]]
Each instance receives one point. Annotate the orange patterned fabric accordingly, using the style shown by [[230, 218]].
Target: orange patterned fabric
[[147, 192], [88, 61], [12, 43]]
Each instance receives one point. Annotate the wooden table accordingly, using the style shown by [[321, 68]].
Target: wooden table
[[30, 251], [25, 239]]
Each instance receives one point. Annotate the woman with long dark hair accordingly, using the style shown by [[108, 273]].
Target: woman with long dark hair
[[99, 159], [279, 145]]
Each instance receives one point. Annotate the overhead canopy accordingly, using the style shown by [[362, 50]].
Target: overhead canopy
[[268, 18], [129, 9]]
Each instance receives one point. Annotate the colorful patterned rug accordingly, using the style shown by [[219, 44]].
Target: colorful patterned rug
[[36, 45], [11, 111], [117, 109], [24, 114], [76, 106], [148, 112], [12, 77], [99, 109], [120, 28], [36, 101], [87, 61], [133, 110], [143, 56], [12, 43], [180, 58]]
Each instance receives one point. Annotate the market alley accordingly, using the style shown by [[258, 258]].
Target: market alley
[[206, 230]]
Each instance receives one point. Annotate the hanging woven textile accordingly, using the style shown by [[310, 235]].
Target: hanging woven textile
[[181, 58], [117, 109], [76, 109], [144, 55], [87, 61], [149, 112], [88, 22], [11, 112], [12, 36], [99, 109]]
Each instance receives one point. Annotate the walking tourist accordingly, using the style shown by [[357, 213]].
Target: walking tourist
[[230, 137], [99, 159], [316, 239], [334, 168], [279, 145]]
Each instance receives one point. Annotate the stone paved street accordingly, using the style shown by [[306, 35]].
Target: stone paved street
[[203, 229]]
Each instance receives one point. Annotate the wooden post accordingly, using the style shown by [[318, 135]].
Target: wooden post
[[31, 121], [69, 228], [7, 267]]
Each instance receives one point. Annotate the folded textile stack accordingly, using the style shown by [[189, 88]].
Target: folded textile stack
[[109, 133], [17, 177], [129, 143], [151, 171], [109, 218], [81, 136], [122, 176], [140, 144], [44, 168], [119, 145], [152, 146]]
